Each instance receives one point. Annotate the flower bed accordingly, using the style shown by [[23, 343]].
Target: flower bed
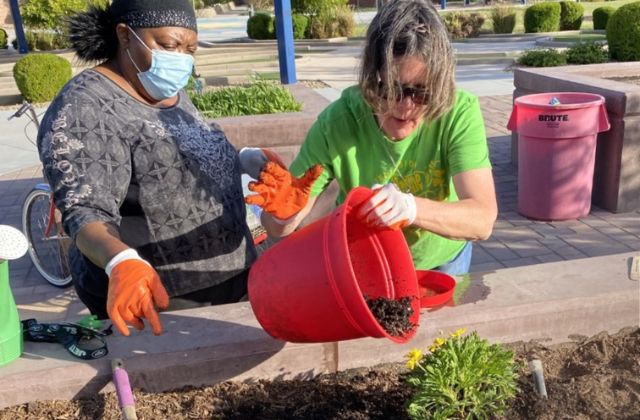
[[593, 377]]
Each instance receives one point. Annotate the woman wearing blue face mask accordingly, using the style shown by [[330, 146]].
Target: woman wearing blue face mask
[[149, 192]]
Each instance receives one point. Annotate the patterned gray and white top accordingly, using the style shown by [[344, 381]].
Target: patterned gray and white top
[[168, 180]]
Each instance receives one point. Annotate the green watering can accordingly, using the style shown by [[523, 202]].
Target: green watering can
[[13, 245]]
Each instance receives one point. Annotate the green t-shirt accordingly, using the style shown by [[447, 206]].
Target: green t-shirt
[[348, 143]]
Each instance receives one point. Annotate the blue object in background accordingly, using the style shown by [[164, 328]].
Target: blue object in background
[[17, 23], [284, 34]]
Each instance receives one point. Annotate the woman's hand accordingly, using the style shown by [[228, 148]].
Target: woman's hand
[[254, 159], [280, 193], [135, 291], [389, 208]]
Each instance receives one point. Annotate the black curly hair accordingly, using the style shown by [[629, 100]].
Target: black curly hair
[[93, 34]]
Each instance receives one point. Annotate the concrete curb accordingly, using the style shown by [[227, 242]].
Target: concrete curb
[[209, 345]]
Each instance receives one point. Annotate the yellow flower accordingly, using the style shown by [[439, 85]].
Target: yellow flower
[[458, 333], [413, 358], [439, 341]]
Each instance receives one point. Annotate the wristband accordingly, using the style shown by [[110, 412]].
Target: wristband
[[127, 254]]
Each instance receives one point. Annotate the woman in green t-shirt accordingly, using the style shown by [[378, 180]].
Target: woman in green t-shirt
[[405, 130]]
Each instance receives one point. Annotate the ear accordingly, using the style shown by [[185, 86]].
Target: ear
[[123, 34]]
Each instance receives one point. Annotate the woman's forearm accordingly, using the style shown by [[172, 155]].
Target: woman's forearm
[[466, 219], [99, 241]]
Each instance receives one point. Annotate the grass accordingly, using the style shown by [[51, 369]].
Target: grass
[[580, 38]]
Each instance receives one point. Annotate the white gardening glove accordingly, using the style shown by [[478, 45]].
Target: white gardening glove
[[389, 208], [253, 160]]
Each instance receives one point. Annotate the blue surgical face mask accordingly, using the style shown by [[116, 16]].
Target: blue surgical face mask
[[169, 72]]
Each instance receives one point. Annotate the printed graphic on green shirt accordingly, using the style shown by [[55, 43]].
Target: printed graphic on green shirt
[[348, 143]]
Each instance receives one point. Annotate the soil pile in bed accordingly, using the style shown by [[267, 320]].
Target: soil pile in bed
[[594, 378]]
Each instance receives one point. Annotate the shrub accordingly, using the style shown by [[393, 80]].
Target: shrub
[[49, 14], [300, 23], [542, 58], [542, 17], [623, 33], [337, 22], [315, 7], [601, 16], [461, 378], [3, 39], [587, 53], [463, 25], [571, 14], [260, 97], [261, 26], [504, 19], [41, 76], [261, 4], [198, 4]]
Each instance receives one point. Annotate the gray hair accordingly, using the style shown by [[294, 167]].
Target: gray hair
[[408, 28]]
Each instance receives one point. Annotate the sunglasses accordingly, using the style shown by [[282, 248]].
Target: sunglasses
[[419, 96]]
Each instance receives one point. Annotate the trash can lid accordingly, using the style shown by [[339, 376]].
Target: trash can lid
[[568, 100]]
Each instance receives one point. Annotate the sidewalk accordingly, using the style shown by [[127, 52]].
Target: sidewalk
[[516, 241]]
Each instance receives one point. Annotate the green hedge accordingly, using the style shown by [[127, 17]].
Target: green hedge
[[542, 17], [623, 33], [542, 58], [300, 24], [601, 16], [4, 44], [587, 53], [41, 76], [261, 26], [571, 15]]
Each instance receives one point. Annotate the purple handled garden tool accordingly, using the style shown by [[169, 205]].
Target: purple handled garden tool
[[123, 390]]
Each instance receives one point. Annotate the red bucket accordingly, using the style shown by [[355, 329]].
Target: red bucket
[[310, 286]]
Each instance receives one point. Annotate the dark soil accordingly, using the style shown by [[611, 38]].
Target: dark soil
[[392, 314], [590, 378]]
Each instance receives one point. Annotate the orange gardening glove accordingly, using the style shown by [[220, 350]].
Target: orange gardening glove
[[135, 291], [254, 159], [280, 193]]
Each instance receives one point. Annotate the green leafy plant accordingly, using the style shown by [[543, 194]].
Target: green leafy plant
[[3, 39], [315, 7], [333, 23], [504, 19], [261, 26], [571, 14], [587, 53], [601, 16], [461, 377], [259, 97], [40, 77], [300, 23], [542, 58], [463, 25], [542, 17], [49, 14], [623, 33]]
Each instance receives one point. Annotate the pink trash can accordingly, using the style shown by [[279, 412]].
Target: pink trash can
[[556, 152]]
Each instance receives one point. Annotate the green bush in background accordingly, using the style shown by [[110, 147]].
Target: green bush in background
[[261, 26], [463, 25], [300, 24], [542, 58], [260, 97], [315, 7], [49, 14], [4, 44], [44, 41], [542, 17], [601, 16], [504, 19], [40, 77], [336, 22], [571, 15], [587, 53], [623, 33], [198, 4]]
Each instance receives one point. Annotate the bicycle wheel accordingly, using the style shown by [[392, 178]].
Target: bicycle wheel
[[49, 254]]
